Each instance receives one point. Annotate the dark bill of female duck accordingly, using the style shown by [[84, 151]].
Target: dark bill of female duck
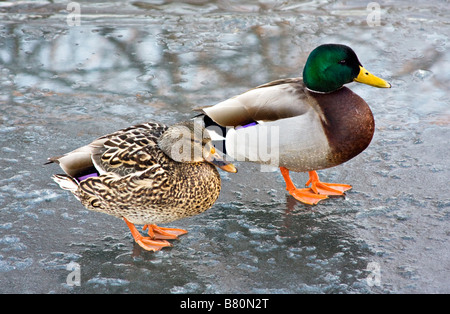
[[212, 156]]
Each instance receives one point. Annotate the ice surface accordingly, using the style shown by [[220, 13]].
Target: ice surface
[[62, 86]]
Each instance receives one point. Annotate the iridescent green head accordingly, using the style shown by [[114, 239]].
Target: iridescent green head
[[331, 66]]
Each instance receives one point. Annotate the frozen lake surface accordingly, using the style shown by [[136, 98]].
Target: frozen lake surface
[[63, 85]]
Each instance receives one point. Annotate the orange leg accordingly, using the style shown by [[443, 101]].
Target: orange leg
[[146, 243], [161, 233], [307, 195], [326, 188]]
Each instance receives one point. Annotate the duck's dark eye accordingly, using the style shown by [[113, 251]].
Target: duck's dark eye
[[342, 61]]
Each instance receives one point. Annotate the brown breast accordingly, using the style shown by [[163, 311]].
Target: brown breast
[[347, 121]]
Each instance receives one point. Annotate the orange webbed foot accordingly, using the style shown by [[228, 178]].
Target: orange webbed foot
[[306, 196], [326, 188], [144, 242], [161, 233], [318, 190], [151, 245]]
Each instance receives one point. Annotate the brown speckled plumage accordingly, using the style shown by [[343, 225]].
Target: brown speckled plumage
[[137, 180], [144, 185], [162, 193]]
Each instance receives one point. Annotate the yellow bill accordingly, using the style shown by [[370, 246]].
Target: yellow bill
[[368, 78]]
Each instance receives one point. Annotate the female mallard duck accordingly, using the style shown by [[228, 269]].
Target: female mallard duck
[[146, 174], [302, 124]]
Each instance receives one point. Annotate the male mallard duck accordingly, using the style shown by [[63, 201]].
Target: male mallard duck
[[302, 124], [146, 174]]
